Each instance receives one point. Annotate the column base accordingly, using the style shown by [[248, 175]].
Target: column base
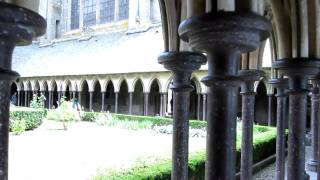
[[312, 165]]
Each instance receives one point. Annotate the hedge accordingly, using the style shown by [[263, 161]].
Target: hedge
[[157, 121], [263, 147], [32, 117]]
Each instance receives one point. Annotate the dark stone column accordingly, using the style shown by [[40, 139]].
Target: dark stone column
[[315, 105], [146, 103], [298, 71], [79, 94], [103, 94], [165, 101], [182, 64], [18, 27], [204, 106], [59, 96], [198, 106], [161, 104], [50, 99], [116, 102], [90, 102], [26, 98], [223, 36], [281, 84], [271, 121], [18, 95], [130, 102], [249, 77]]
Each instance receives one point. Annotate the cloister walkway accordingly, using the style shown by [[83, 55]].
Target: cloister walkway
[[51, 153]]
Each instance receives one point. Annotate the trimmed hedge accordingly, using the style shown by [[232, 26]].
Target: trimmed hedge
[[32, 117], [263, 147], [157, 121]]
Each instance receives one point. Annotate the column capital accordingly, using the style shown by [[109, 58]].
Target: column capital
[[282, 84], [248, 78], [182, 64]]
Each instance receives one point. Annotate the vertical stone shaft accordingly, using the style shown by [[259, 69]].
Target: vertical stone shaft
[[130, 102], [161, 104], [90, 101], [270, 110], [103, 94], [280, 147], [26, 98], [18, 95], [50, 99], [315, 98], [198, 106], [221, 116], [247, 135], [204, 106], [116, 102], [297, 123], [146, 103], [165, 101]]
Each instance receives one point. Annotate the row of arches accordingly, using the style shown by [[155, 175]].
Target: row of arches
[[136, 102]]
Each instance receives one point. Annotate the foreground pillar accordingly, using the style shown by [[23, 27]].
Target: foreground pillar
[[315, 105], [249, 77], [223, 36], [282, 85], [182, 64], [18, 26], [298, 71]]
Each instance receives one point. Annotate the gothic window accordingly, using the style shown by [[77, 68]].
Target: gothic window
[[123, 9], [107, 8], [74, 14], [89, 15]]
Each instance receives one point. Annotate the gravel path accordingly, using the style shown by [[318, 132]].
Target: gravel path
[[50, 153]]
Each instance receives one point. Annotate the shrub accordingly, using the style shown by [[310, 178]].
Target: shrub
[[31, 117], [89, 116], [17, 126], [160, 168], [37, 101]]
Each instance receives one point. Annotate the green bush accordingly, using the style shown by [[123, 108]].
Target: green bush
[[32, 117], [17, 126], [160, 169], [90, 116]]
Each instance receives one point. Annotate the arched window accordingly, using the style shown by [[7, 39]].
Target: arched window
[[74, 14], [107, 8], [89, 15], [123, 9]]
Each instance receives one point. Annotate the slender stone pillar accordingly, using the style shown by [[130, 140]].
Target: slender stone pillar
[[282, 85], [116, 10], [198, 106], [271, 121], [18, 95], [182, 64], [130, 102], [161, 104], [116, 102], [315, 105], [146, 104], [90, 101], [204, 106], [80, 99], [26, 98], [223, 36], [165, 102], [18, 27], [81, 14], [103, 94], [249, 77], [298, 71], [98, 11], [50, 99]]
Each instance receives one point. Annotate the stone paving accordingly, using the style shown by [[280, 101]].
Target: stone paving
[[50, 153]]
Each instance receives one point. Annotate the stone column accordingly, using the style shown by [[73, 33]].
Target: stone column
[[18, 27], [81, 12], [116, 10], [223, 36], [298, 71], [79, 95], [161, 104], [271, 121], [103, 94], [91, 99], [116, 102], [315, 105], [182, 64], [98, 11], [26, 98], [130, 102], [146, 103], [18, 95], [165, 102], [204, 106], [281, 84], [249, 77], [199, 106], [50, 99]]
